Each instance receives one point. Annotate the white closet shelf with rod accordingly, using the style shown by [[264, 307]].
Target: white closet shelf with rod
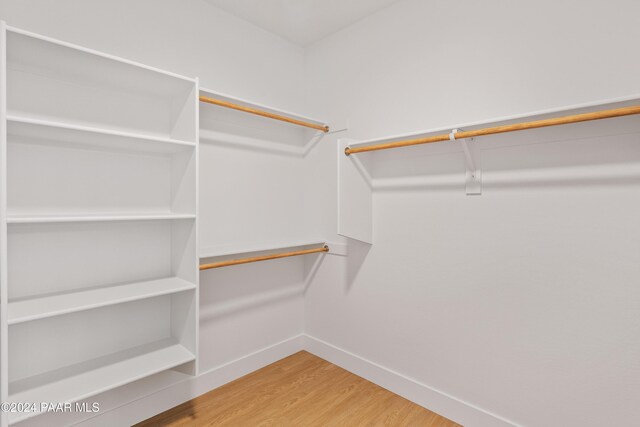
[[359, 176], [575, 118], [237, 123], [222, 100], [270, 252]]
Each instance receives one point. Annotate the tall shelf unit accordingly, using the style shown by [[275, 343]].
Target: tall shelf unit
[[98, 221]]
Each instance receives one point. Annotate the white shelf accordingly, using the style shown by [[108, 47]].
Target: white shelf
[[227, 250], [96, 376], [53, 80], [20, 128], [43, 52], [54, 305], [98, 217]]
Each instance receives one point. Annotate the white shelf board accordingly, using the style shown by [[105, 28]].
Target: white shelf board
[[535, 115], [85, 136], [96, 376], [92, 217], [54, 305], [227, 250], [247, 103], [38, 51]]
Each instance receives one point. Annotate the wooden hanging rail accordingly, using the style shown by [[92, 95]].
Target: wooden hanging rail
[[585, 117], [227, 263], [251, 110]]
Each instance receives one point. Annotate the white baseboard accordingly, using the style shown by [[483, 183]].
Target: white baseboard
[[152, 404], [437, 401], [421, 394]]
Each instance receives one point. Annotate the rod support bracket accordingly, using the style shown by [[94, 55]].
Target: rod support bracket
[[473, 177]]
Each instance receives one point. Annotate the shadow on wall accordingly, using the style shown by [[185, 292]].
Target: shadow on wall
[[232, 290], [228, 128], [358, 252], [311, 266]]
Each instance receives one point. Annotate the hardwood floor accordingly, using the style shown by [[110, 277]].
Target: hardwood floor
[[300, 390]]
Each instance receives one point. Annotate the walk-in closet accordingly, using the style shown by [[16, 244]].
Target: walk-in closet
[[244, 213]]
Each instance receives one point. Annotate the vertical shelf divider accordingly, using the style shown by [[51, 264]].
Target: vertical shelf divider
[[196, 246], [4, 328]]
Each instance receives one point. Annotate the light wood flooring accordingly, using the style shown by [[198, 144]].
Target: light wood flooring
[[298, 391]]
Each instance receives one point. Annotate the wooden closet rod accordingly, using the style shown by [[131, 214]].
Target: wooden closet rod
[[585, 117], [324, 248], [323, 128]]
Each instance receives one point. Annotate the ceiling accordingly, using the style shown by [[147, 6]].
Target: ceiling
[[302, 22]]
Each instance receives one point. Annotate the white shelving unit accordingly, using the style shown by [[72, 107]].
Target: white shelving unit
[[98, 221]]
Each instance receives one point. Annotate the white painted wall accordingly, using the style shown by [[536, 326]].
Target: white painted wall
[[522, 301]]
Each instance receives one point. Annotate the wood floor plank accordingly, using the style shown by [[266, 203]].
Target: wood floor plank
[[301, 390]]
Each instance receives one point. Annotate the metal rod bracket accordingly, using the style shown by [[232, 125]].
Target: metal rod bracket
[[473, 178]]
